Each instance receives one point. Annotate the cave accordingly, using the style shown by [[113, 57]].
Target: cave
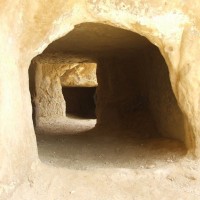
[[143, 59], [134, 100]]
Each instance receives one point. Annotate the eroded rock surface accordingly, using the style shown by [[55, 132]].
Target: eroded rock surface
[[28, 27], [52, 72], [82, 75]]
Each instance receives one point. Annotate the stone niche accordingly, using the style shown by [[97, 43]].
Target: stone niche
[[174, 27]]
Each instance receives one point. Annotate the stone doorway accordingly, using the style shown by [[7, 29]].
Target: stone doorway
[[80, 101], [130, 132], [135, 99]]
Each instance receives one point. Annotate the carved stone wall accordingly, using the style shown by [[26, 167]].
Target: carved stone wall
[[135, 93], [26, 30]]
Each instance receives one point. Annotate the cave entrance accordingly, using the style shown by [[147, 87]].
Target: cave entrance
[[136, 109]]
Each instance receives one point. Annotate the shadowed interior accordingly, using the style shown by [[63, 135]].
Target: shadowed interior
[[134, 97], [80, 101]]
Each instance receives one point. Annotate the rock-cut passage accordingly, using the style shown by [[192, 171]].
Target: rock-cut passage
[[80, 101], [135, 105]]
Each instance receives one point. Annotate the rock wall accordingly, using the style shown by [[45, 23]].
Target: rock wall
[[83, 75], [163, 105], [26, 30], [135, 93]]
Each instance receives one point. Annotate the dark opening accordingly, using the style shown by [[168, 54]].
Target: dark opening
[[80, 101]]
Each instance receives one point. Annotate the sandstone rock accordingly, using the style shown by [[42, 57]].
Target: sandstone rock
[[28, 27], [54, 71], [83, 75]]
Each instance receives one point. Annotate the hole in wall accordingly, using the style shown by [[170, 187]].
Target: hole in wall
[[80, 101], [138, 119]]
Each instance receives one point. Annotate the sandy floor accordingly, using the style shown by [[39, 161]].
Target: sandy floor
[[99, 164], [93, 151]]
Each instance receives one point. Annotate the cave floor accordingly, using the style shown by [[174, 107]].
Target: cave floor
[[92, 150], [101, 164]]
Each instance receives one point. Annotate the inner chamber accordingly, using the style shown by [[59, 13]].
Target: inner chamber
[[80, 101], [133, 97]]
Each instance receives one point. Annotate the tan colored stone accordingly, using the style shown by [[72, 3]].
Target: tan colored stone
[[53, 71], [83, 75], [28, 27]]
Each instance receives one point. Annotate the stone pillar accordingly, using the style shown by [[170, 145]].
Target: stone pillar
[[49, 100]]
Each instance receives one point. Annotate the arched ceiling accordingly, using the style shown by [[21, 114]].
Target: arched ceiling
[[98, 39]]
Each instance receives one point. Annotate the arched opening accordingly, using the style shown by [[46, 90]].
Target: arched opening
[[135, 103]]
